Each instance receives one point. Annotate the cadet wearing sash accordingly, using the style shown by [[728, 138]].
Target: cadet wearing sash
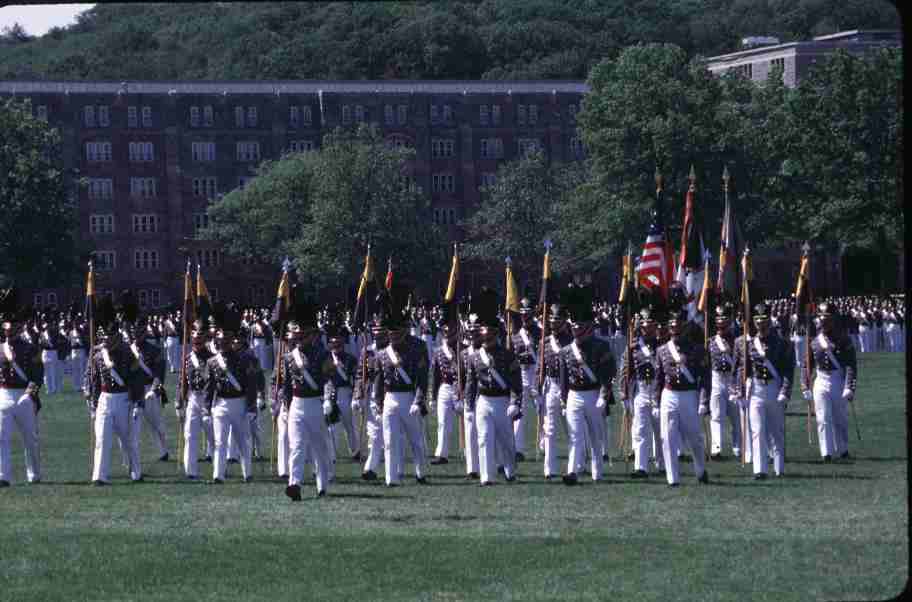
[[646, 428], [722, 407], [444, 367], [343, 377], [190, 410], [525, 346], [558, 337], [367, 372]]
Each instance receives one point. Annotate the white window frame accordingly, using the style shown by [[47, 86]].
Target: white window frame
[[147, 116], [155, 297], [346, 114], [142, 297], [577, 150], [104, 116], [205, 187], [132, 116], [360, 114], [202, 151], [533, 114], [88, 116], [388, 115], [99, 151], [495, 114], [104, 261], [294, 115], [247, 151], [100, 188], [144, 188], [484, 115], [194, 116], [488, 178], [145, 259], [442, 148], [141, 152], [209, 258], [402, 114], [208, 116], [447, 114], [145, 223], [200, 222], [101, 223], [526, 146], [301, 146], [443, 182], [238, 116], [307, 115], [520, 114], [38, 300], [435, 114]]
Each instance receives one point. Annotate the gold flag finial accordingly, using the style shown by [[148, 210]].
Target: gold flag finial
[[658, 179], [693, 175]]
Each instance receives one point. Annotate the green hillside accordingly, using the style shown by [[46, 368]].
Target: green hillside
[[493, 39]]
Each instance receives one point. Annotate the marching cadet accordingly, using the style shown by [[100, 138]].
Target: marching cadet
[[770, 366], [230, 392], [492, 374], [558, 338], [78, 343], [681, 377], [343, 376], [110, 375], [20, 380], [173, 332], [834, 371], [525, 347], [367, 372], [190, 402], [256, 437], [722, 407], [307, 391], [399, 390], [646, 419], [51, 345], [587, 371], [444, 368], [470, 426]]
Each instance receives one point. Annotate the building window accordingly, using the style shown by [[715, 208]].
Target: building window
[[205, 187], [533, 114], [141, 151], [526, 146], [307, 115], [207, 116], [41, 112], [88, 116], [143, 297], [576, 148], [346, 114], [443, 182], [144, 259], [778, 64], [495, 114], [155, 297], [252, 119], [101, 223], [521, 114], [208, 258], [488, 178], [145, 223], [203, 151], [248, 151], [200, 223], [445, 217], [214, 294], [98, 151], [256, 294], [402, 111], [360, 114], [101, 188], [388, 115], [194, 117], [435, 114], [492, 148], [572, 110], [746, 70], [143, 188], [147, 117], [293, 116], [300, 146], [104, 116], [447, 114], [408, 183], [484, 115], [239, 117], [38, 300], [132, 116], [104, 260], [442, 147]]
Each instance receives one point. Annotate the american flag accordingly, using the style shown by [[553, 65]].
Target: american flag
[[655, 266]]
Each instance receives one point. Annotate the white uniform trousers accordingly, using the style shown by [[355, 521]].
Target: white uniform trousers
[[646, 428], [800, 344], [230, 413], [347, 419], [307, 433], [470, 429], [494, 426], [680, 427], [864, 337], [173, 353], [18, 412], [52, 370], [260, 351], [398, 422], [373, 426], [193, 425], [282, 451], [721, 409], [152, 412], [767, 419], [446, 398], [586, 425], [832, 413], [114, 416], [528, 374], [77, 367], [551, 424]]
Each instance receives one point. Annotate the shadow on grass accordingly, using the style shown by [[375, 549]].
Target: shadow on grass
[[364, 496]]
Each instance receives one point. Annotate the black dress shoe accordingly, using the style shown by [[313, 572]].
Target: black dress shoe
[[716, 456], [283, 476], [164, 457], [233, 461], [472, 476], [4, 483], [293, 492], [139, 480], [391, 485], [321, 493], [827, 459], [422, 481], [500, 470], [570, 479], [510, 479], [631, 457], [96, 483], [661, 472], [674, 485], [439, 460], [845, 456], [638, 474], [704, 478], [369, 475], [206, 459], [191, 477], [217, 481], [520, 457], [356, 457], [248, 479], [684, 458], [549, 478], [486, 484], [760, 476]]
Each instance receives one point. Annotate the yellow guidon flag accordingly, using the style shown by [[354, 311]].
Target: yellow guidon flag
[[368, 274], [450, 294], [90, 281], [704, 292], [512, 301], [803, 276], [747, 274]]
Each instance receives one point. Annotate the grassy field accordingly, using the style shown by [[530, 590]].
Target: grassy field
[[824, 532]]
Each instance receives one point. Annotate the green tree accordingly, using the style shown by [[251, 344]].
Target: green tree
[[37, 247]]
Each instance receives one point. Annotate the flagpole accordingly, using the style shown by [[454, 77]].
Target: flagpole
[[546, 275], [90, 310], [181, 392], [746, 311]]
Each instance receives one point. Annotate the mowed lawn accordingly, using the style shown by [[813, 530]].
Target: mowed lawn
[[824, 532]]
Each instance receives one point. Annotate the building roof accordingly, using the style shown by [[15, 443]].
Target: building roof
[[827, 43]]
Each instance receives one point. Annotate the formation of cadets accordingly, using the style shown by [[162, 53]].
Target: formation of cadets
[[487, 375]]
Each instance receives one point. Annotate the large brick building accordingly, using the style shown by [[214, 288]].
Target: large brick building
[[154, 153]]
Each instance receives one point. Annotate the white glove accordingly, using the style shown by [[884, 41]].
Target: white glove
[[414, 410], [156, 382], [782, 398], [375, 408], [848, 394], [151, 394], [600, 404], [356, 405], [179, 412], [808, 396], [563, 411], [457, 406], [703, 410], [327, 408], [261, 402], [512, 410], [137, 412]]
